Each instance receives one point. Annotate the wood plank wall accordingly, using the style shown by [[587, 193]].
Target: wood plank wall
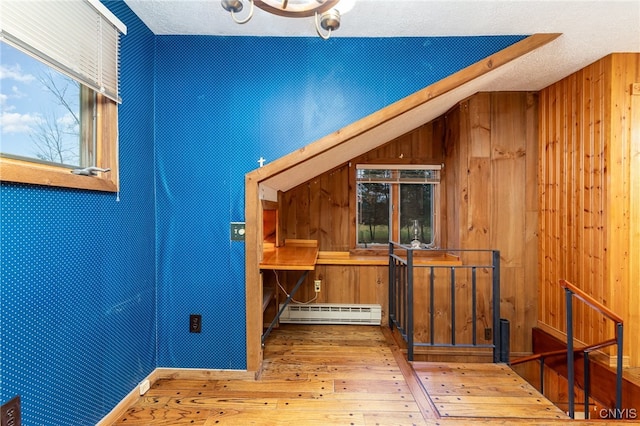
[[589, 197], [488, 144], [491, 175]]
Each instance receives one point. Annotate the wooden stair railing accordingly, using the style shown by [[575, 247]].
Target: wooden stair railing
[[572, 291]]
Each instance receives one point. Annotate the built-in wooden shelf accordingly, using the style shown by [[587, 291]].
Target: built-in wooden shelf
[[294, 255]]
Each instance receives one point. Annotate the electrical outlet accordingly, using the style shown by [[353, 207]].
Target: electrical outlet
[[487, 334], [10, 412], [317, 284], [195, 323], [144, 386]]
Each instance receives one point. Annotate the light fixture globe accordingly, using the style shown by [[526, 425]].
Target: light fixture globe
[[330, 21], [233, 6]]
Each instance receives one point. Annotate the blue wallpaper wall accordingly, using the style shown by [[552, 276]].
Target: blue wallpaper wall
[[96, 293], [78, 289], [221, 104]]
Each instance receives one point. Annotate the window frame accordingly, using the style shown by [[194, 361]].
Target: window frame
[[24, 171], [95, 64], [394, 207]]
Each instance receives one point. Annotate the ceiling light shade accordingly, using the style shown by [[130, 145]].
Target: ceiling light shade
[[236, 6], [329, 21], [329, 17], [295, 8]]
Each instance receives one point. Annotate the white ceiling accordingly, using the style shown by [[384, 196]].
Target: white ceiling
[[590, 30]]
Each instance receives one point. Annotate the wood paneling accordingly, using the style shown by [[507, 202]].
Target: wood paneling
[[589, 197], [491, 170]]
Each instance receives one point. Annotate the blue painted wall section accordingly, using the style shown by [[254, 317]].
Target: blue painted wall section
[[221, 104], [78, 292]]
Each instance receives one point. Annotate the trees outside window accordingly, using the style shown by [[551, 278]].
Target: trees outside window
[[46, 116], [390, 200]]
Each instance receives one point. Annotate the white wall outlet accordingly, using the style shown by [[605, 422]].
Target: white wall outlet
[[144, 386], [317, 284]]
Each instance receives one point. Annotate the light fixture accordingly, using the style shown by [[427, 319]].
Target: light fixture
[[326, 16]]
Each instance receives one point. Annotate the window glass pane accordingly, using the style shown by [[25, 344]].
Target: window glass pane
[[416, 203], [371, 174], [40, 117], [373, 213], [420, 175]]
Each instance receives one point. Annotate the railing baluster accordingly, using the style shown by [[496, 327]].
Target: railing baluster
[[570, 365], [586, 384], [495, 290], [542, 375], [391, 284], [619, 334], [410, 304], [453, 306], [432, 316], [474, 314], [405, 298]]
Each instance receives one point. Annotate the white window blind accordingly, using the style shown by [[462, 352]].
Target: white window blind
[[79, 38], [398, 173]]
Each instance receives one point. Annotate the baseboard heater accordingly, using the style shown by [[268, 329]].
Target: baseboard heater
[[331, 313]]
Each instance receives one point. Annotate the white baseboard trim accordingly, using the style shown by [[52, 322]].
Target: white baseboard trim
[[172, 373]]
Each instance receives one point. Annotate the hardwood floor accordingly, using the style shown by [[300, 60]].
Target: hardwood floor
[[471, 391], [344, 375], [313, 375]]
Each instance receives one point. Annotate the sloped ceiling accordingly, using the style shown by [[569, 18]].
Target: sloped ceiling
[[589, 30], [396, 119]]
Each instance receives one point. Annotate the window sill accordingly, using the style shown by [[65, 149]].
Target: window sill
[[39, 174], [381, 258]]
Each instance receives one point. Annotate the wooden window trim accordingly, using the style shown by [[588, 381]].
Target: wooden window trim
[[22, 171], [379, 249]]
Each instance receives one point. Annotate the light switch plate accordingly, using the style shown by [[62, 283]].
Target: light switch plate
[[237, 231]]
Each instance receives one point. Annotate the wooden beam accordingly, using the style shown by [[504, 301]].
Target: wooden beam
[[253, 283]]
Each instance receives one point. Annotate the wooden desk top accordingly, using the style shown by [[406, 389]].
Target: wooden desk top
[[295, 255]]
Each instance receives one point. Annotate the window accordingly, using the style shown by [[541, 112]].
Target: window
[[59, 93], [397, 203], [47, 117]]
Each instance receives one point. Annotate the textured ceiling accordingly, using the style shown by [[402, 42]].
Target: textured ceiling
[[591, 29]]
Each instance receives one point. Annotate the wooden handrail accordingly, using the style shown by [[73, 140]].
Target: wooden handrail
[[558, 352], [535, 357], [571, 291], [591, 301]]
